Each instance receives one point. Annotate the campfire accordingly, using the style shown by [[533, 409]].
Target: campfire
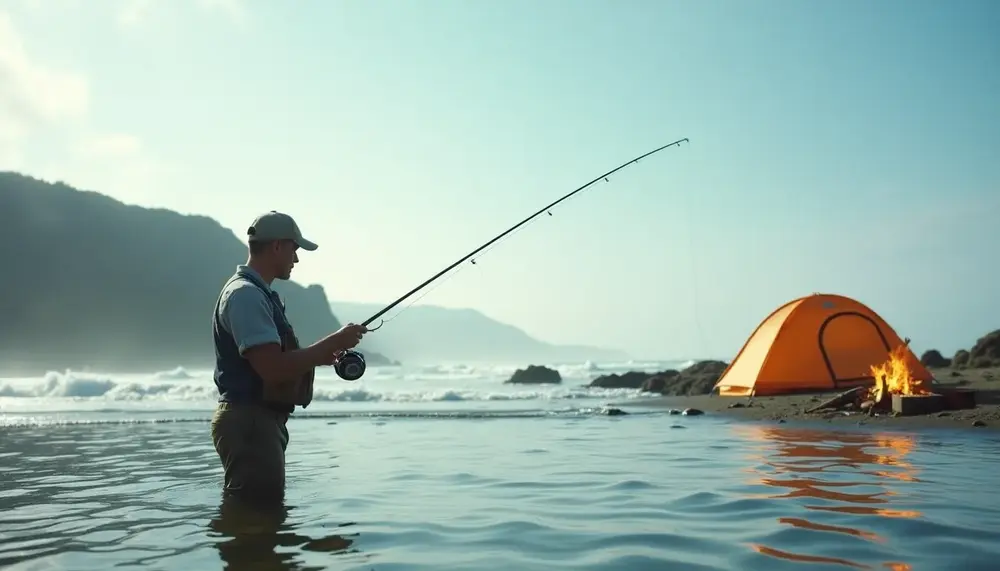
[[893, 378], [895, 391]]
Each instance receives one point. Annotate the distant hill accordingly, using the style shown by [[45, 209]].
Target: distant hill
[[91, 282], [431, 334]]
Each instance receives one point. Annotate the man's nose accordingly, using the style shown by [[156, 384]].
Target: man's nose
[[295, 257]]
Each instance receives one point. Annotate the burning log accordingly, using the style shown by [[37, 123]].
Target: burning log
[[879, 395], [839, 401]]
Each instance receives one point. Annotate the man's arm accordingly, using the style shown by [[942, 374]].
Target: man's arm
[[247, 315]]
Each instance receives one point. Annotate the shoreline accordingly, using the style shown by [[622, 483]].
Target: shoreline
[[790, 409]]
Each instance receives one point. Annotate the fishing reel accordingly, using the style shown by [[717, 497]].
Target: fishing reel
[[350, 366]]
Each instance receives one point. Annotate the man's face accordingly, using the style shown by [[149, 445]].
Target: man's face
[[285, 257]]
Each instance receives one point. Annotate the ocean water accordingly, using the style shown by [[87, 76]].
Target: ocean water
[[446, 468]]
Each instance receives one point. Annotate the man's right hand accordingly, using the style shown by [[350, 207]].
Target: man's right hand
[[348, 337], [327, 350]]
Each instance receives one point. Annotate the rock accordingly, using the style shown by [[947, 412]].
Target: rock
[[611, 411], [706, 368], [978, 423], [934, 359], [536, 375], [692, 412], [653, 385], [629, 380], [961, 359], [658, 383], [986, 352], [698, 379]]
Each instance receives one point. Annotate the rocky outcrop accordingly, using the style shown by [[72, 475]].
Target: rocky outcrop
[[535, 375], [934, 359], [108, 286], [986, 351], [698, 379], [629, 380], [658, 382]]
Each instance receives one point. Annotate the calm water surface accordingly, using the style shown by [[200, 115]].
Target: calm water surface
[[644, 491]]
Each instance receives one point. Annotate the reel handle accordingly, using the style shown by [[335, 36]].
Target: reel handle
[[350, 366]]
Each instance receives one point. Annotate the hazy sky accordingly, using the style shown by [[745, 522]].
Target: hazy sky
[[849, 147]]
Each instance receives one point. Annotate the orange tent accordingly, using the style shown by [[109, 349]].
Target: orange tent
[[814, 343]]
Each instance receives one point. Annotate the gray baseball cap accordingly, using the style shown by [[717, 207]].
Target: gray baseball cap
[[278, 226]]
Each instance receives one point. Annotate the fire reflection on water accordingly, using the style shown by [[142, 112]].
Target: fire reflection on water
[[820, 469]]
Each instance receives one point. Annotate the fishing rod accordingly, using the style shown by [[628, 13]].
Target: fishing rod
[[351, 364]]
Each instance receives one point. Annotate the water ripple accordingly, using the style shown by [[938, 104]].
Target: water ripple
[[520, 492]]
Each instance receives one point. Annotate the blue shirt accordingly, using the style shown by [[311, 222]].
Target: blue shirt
[[248, 314]]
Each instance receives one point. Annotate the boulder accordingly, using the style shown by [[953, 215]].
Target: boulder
[[933, 359], [536, 375], [986, 351], [612, 411]]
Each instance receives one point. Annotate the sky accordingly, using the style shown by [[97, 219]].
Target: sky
[[850, 147]]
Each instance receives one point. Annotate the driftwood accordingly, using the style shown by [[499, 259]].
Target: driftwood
[[880, 394], [840, 400]]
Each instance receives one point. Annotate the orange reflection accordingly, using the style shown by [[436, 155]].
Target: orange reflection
[[846, 473], [789, 556]]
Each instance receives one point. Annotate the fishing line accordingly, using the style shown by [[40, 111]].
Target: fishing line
[[351, 364]]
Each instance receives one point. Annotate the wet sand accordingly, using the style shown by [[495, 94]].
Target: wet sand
[[986, 415]]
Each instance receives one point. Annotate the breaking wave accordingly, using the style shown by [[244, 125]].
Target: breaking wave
[[436, 383]]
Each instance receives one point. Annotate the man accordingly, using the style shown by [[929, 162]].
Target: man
[[260, 370]]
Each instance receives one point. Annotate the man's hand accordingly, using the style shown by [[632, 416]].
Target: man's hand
[[278, 366], [347, 337], [326, 351]]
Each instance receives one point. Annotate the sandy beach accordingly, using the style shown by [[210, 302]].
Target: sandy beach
[[792, 408]]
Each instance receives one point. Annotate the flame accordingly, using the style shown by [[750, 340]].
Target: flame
[[896, 374]]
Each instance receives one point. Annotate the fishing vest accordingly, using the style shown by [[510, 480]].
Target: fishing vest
[[237, 380]]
